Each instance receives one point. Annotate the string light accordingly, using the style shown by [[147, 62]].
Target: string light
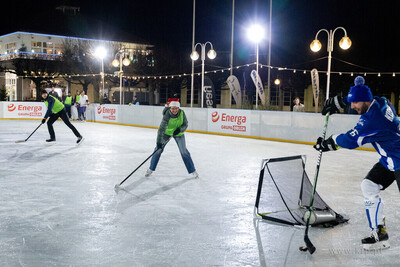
[[46, 75]]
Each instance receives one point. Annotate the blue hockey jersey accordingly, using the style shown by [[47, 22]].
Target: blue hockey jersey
[[379, 126]]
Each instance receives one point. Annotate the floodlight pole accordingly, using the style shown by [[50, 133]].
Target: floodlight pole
[[257, 75], [203, 58]]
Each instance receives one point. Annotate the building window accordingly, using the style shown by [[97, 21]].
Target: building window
[[11, 47], [48, 51], [36, 47], [36, 44], [58, 49]]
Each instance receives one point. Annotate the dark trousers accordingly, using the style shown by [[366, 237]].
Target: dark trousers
[[380, 175], [78, 107], [68, 109], [63, 115]]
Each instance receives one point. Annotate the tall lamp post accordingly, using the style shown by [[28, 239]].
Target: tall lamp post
[[122, 61], [256, 34], [344, 43], [101, 53], [211, 54], [280, 96]]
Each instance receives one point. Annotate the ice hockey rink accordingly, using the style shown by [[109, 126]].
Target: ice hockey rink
[[59, 208]]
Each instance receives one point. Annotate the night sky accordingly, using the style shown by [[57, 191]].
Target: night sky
[[371, 25]]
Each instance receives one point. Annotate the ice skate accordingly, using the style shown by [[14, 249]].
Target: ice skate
[[379, 239], [148, 173], [51, 140], [194, 174], [79, 140]]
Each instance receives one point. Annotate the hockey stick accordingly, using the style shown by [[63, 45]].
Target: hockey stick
[[116, 187], [23, 141], [309, 246]]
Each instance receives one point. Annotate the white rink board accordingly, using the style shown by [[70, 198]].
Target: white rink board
[[293, 126]]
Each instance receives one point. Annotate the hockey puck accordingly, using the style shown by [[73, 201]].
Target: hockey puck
[[303, 248]]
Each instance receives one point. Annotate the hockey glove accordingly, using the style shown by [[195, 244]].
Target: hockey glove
[[325, 145], [177, 131], [43, 121], [333, 105]]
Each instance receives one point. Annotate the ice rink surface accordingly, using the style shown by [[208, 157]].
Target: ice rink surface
[[59, 208]]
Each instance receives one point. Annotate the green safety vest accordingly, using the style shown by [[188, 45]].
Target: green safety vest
[[174, 123], [77, 98], [57, 107], [68, 100]]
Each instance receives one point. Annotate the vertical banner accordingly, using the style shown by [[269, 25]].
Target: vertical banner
[[260, 89], [209, 93], [234, 85], [315, 87]]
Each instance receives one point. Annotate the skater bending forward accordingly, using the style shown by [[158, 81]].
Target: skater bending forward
[[379, 126], [173, 124], [55, 110]]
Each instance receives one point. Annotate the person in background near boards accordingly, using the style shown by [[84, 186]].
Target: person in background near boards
[[68, 102], [83, 102]]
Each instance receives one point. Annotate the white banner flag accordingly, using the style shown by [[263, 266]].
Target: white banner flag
[[257, 82], [234, 85]]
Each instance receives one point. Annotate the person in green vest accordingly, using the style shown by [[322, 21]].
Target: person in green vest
[[173, 125], [68, 102], [78, 107], [55, 110]]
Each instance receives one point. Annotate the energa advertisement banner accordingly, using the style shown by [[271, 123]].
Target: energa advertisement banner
[[24, 110], [106, 113], [229, 121]]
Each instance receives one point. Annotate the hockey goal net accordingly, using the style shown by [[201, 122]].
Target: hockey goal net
[[284, 191]]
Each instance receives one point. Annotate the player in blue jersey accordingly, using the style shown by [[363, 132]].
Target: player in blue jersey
[[379, 126]]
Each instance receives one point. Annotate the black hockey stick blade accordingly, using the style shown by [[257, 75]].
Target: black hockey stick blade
[[310, 246], [117, 186], [23, 141]]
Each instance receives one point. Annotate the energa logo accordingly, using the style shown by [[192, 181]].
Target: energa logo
[[11, 107], [215, 116]]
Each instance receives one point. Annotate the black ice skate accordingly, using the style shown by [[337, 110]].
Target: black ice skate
[[379, 239], [50, 140], [79, 140]]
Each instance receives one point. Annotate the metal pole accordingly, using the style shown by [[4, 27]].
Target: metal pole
[[102, 70], [269, 45], [328, 74], [233, 20], [257, 76], [330, 49], [192, 81], [203, 57], [120, 77]]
